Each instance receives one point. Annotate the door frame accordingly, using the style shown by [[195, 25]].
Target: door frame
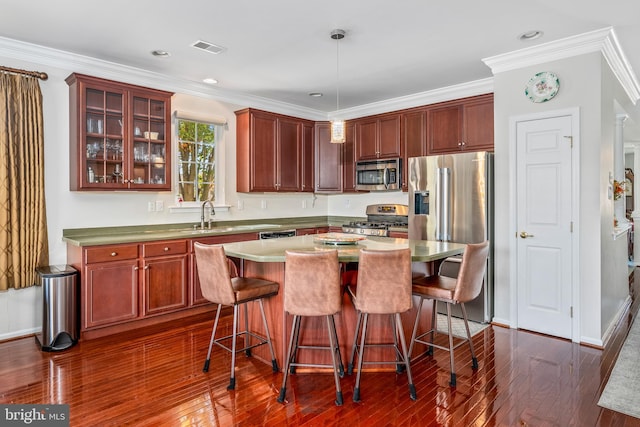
[[574, 113]]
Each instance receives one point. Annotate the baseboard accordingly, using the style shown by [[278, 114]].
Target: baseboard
[[608, 333], [19, 334]]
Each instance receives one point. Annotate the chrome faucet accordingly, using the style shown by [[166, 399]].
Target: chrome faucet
[[212, 213]]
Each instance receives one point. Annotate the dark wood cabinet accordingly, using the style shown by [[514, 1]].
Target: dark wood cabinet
[[461, 125], [109, 289], [125, 286], [328, 160], [414, 139], [349, 160], [269, 151], [166, 269], [308, 157], [120, 136], [377, 137]]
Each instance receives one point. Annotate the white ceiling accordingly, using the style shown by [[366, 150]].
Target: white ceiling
[[281, 50]]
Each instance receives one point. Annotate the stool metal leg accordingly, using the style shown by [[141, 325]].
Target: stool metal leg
[[400, 331], [232, 380], [274, 362], [333, 344], [294, 326], [354, 347], [474, 359], [213, 336], [415, 326], [356, 390], [337, 347], [247, 342], [451, 355]]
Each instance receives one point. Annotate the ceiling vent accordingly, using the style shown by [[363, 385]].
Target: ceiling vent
[[209, 47]]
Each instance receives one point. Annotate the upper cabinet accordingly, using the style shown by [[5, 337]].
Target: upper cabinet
[[349, 160], [328, 160], [377, 137], [414, 139], [269, 152], [465, 124], [308, 157], [120, 136]]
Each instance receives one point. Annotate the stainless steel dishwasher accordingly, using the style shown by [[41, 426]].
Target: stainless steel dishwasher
[[276, 234]]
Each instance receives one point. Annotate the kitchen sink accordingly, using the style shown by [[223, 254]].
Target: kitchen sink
[[229, 228]]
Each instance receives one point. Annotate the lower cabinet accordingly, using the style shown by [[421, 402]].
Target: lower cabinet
[[109, 293], [127, 285], [165, 280]]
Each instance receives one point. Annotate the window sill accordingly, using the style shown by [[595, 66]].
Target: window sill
[[196, 208]]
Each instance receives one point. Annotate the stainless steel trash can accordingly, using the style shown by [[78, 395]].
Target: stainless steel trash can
[[59, 307]]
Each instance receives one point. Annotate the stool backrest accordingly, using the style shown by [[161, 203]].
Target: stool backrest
[[472, 269], [384, 281], [312, 283], [213, 273]]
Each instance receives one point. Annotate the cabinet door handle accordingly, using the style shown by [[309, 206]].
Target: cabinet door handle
[[114, 253], [146, 267], [136, 268], [166, 249]]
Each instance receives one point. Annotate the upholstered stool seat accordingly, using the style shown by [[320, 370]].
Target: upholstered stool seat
[[312, 288], [440, 288], [219, 287], [383, 287]]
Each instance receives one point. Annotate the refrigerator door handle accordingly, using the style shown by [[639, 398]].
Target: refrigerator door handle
[[443, 188]]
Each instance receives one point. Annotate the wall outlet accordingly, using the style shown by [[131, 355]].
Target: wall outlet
[[240, 205], [151, 206], [159, 205], [263, 204], [347, 203], [304, 204]]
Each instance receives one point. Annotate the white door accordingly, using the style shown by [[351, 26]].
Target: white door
[[544, 225]]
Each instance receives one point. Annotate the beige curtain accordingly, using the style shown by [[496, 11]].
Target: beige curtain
[[23, 223]]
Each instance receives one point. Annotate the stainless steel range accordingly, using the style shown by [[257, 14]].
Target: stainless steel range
[[380, 218]]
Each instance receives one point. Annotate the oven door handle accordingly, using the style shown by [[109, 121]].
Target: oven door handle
[[385, 178]]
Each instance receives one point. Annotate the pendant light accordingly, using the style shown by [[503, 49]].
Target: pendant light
[[337, 126]]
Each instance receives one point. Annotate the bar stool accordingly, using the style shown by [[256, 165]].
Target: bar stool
[[220, 288], [384, 287], [312, 288], [440, 288]]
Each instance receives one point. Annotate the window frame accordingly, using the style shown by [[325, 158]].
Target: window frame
[[219, 169]]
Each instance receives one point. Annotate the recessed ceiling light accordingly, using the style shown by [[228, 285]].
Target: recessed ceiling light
[[210, 81], [315, 94], [530, 35], [160, 53]]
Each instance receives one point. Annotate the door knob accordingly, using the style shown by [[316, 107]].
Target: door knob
[[524, 234]]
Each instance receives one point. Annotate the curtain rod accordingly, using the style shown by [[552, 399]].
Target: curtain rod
[[38, 74]]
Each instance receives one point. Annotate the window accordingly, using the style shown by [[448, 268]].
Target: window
[[197, 153]]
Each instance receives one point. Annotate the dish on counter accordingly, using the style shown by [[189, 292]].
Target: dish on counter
[[338, 239]]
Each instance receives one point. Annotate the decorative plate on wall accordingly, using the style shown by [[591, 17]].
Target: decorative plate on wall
[[542, 87]]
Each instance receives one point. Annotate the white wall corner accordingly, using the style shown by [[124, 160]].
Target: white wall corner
[[603, 40]]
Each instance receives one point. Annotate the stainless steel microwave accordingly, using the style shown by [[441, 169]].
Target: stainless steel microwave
[[378, 175]]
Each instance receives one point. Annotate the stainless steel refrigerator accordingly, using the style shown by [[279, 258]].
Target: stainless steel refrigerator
[[451, 199]]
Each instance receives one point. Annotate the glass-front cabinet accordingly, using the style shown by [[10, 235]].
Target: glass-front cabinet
[[120, 136]]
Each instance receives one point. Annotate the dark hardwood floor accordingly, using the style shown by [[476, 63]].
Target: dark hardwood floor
[[153, 377]]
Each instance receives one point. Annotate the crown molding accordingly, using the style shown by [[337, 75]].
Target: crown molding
[[603, 40], [37, 54], [477, 87]]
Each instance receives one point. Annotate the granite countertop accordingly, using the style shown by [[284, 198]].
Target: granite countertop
[[147, 233], [273, 250]]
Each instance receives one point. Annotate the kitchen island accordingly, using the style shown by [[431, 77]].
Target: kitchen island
[[265, 259]]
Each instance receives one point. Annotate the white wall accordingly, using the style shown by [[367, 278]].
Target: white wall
[[580, 84]]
